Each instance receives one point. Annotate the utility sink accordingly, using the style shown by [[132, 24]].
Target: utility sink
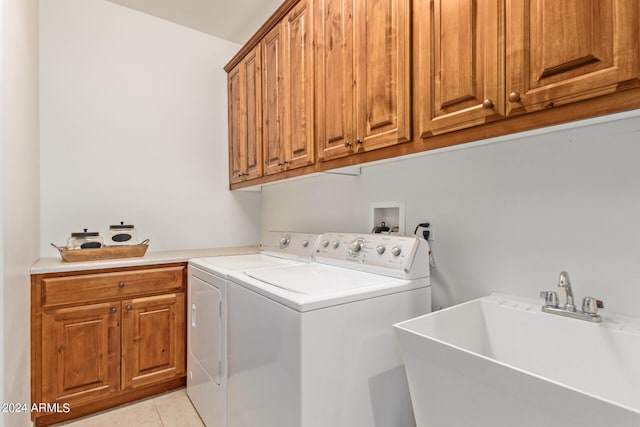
[[499, 361]]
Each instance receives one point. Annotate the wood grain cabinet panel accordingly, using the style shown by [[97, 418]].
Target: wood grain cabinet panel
[[460, 57], [363, 75], [383, 59], [236, 143], [273, 101], [252, 159], [95, 287], [245, 118], [299, 116], [153, 336], [335, 78], [565, 51], [288, 103], [82, 353]]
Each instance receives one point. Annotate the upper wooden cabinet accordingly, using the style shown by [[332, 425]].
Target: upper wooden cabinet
[[336, 78], [564, 51], [479, 61], [363, 75], [273, 100], [299, 119], [459, 58], [245, 118], [343, 82], [287, 82]]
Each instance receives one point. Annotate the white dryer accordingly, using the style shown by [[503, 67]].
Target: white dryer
[[312, 345], [207, 313]]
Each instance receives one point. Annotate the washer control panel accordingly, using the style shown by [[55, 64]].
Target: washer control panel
[[301, 245], [381, 250]]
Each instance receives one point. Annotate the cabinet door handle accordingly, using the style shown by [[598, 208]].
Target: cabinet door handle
[[358, 141], [113, 310], [347, 144], [128, 308], [514, 97], [121, 285], [193, 315], [487, 104]]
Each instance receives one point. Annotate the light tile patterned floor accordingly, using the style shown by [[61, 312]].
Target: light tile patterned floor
[[172, 409]]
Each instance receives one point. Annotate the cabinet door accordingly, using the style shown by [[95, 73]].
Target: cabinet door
[[335, 76], [561, 51], [153, 339], [252, 101], [80, 353], [382, 48], [236, 131], [245, 122], [298, 102], [273, 82], [460, 65]]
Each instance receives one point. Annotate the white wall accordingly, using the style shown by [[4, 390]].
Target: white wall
[[3, 36], [507, 217], [134, 129], [19, 195]]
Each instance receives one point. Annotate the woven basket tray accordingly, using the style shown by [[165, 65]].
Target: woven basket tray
[[105, 252]]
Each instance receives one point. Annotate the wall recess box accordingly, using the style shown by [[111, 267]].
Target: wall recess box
[[392, 213]]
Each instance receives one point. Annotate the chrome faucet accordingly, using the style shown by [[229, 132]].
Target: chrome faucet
[[565, 283], [589, 305]]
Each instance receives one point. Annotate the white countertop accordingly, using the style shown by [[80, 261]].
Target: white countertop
[[56, 265]]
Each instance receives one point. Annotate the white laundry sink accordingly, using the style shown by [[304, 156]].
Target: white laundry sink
[[499, 361]]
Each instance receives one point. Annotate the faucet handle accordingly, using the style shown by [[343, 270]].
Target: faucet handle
[[591, 305], [550, 298]]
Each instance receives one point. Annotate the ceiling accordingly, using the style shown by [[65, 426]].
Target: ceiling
[[233, 20]]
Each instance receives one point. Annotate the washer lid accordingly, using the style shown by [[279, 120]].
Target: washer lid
[[306, 287], [318, 279]]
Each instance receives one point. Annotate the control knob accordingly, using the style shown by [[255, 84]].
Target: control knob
[[335, 244], [380, 249], [355, 247], [284, 242], [305, 243], [325, 243], [396, 251]]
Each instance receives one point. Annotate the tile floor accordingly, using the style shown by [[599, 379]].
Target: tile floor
[[172, 409]]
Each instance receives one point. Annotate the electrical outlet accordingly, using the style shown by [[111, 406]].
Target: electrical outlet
[[425, 230]]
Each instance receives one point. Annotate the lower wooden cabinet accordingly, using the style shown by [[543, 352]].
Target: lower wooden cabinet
[[80, 353], [153, 336], [119, 337]]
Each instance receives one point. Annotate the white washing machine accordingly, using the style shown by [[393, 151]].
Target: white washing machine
[[207, 313], [312, 345]]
